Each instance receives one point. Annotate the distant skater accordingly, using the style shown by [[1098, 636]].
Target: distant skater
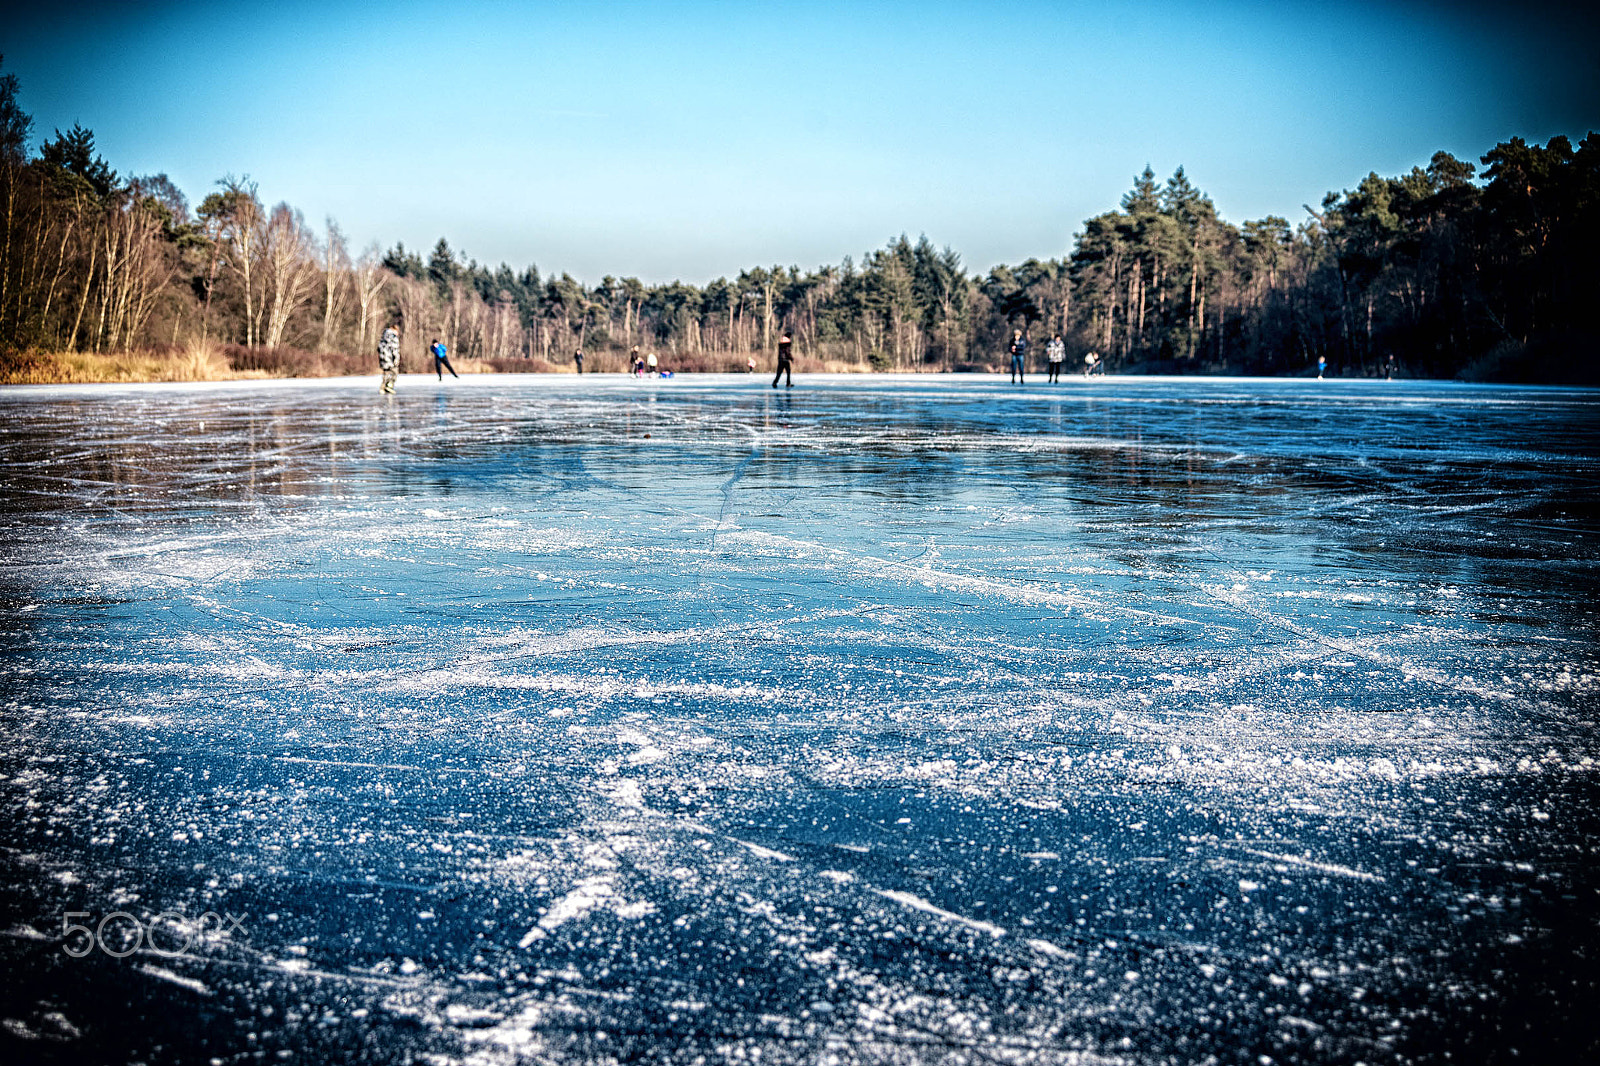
[[1322, 364], [389, 357], [441, 359], [650, 361], [1388, 368], [785, 360], [1054, 354], [577, 357], [638, 364], [1091, 363], [1019, 354]]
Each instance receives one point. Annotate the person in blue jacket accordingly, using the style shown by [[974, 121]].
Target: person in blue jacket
[[441, 359]]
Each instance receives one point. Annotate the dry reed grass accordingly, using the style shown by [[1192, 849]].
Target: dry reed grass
[[296, 363], [214, 362], [507, 366], [195, 363]]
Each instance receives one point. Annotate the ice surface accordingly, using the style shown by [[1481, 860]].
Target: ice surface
[[561, 719]]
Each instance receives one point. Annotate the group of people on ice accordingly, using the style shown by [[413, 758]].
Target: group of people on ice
[[647, 363], [1055, 353], [640, 364], [389, 358]]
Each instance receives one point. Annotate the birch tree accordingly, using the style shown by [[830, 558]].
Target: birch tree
[[336, 281], [369, 277], [287, 257], [135, 267], [239, 222]]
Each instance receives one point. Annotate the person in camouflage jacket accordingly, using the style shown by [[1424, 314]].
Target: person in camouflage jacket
[[389, 357]]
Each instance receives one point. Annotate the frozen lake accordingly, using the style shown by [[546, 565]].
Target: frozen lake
[[560, 719]]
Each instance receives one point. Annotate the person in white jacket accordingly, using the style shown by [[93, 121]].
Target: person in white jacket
[[1054, 354]]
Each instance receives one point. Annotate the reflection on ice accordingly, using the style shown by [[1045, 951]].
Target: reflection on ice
[[536, 719]]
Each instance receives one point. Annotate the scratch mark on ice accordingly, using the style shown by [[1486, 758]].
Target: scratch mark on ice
[[1320, 867], [906, 899], [761, 852]]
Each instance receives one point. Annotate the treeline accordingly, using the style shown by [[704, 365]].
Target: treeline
[[1447, 269]]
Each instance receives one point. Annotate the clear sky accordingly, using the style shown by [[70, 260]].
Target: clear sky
[[691, 140]]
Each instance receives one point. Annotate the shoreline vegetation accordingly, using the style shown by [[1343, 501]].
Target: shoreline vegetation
[[238, 363], [1443, 272]]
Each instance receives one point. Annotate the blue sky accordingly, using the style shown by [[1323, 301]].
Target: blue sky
[[691, 140]]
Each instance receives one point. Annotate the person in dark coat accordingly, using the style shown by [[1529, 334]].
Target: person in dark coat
[[785, 360]]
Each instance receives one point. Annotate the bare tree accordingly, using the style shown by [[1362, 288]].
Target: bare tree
[[336, 278], [237, 217], [136, 268], [68, 220], [418, 315], [287, 251], [370, 277]]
